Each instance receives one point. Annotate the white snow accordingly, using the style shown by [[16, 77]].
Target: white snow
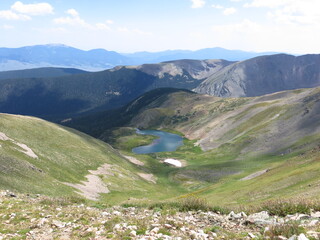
[[173, 162]]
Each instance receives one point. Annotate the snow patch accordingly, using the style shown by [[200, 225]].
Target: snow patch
[[173, 162]]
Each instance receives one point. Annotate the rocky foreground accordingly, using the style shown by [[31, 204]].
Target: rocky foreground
[[39, 217]]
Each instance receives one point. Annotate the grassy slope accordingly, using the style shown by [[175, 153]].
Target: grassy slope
[[279, 132], [66, 155]]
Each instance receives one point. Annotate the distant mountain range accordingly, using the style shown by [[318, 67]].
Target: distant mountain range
[[57, 94], [57, 55]]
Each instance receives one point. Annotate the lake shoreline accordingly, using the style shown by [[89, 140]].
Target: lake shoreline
[[166, 142]]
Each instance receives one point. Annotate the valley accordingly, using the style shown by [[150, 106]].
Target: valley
[[249, 144], [160, 120], [226, 140]]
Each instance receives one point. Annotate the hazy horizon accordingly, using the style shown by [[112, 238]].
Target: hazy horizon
[[165, 50], [126, 26]]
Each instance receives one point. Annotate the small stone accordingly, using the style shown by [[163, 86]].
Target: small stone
[[58, 224], [42, 222], [302, 237], [168, 226], [294, 237], [261, 218], [303, 216], [155, 225], [132, 227], [282, 238], [313, 223], [118, 226], [155, 230], [105, 214], [10, 194], [117, 213], [251, 235], [315, 214], [214, 235], [314, 234], [133, 233], [243, 214], [233, 215]]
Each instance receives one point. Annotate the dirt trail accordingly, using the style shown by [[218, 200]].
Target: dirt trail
[[134, 160], [149, 177], [22, 147], [92, 188], [254, 175]]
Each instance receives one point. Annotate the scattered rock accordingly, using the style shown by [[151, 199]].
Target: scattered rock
[[58, 224], [261, 218], [67, 221], [315, 214], [251, 235], [302, 237]]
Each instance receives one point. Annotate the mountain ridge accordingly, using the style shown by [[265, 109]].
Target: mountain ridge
[[59, 98], [59, 55], [264, 75]]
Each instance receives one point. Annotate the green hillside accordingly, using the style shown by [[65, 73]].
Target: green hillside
[[237, 150], [37, 156]]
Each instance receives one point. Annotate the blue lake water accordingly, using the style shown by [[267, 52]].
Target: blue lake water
[[167, 142]]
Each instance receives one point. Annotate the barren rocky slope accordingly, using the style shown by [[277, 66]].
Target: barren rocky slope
[[263, 75]]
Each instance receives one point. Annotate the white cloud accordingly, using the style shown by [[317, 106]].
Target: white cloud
[[76, 21], [110, 22], [105, 25], [73, 12], [217, 6], [123, 29], [7, 27], [10, 15], [225, 11], [252, 36], [36, 9], [72, 20], [198, 3], [102, 26], [291, 11], [229, 11], [269, 3]]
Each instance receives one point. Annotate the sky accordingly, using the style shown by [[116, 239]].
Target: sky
[[126, 26]]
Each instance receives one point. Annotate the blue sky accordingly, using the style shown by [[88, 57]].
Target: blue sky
[[153, 25]]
